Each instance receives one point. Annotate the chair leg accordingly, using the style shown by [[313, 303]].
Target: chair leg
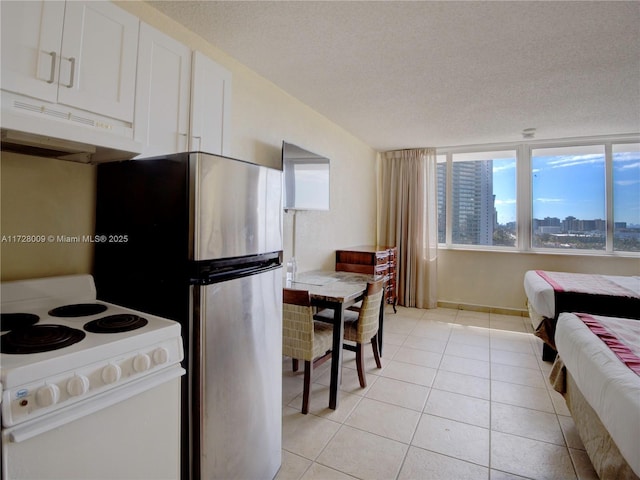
[[308, 366], [376, 352], [360, 365], [294, 364]]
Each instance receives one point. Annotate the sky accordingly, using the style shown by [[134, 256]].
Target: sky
[[504, 188], [572, 185]]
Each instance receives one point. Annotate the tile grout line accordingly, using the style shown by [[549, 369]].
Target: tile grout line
[[490, 402], [426, 401], [404, 458]]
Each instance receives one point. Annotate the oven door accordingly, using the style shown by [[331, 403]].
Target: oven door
[[127, 433]]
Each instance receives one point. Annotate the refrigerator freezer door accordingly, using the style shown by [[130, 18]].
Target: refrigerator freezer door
[[240, 378], [237, 207]]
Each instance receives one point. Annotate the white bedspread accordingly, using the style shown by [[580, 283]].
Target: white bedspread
[[609, 386], [541, 296]]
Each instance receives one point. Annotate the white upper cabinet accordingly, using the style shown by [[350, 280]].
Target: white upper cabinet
[[76, 53], [91, 73], [183, 99], [31, 40], [210, 106], [98, 59], [162, 94]]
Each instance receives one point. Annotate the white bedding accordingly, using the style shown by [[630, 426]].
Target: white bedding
[[609, 386], [541, 296]]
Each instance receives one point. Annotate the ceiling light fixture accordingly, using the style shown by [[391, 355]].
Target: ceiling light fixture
[[528, 133]]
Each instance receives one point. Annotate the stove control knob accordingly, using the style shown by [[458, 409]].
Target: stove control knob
[[141, 363], [160, 356], [78, 385], [111, 373], [48, 395]]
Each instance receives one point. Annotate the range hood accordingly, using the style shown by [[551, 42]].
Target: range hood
[[38, 128], [41, 146], [61, 149]]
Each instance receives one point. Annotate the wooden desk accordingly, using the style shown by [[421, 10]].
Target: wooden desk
[[337, 291]]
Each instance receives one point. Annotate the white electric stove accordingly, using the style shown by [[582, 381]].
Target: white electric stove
[[92, 381]]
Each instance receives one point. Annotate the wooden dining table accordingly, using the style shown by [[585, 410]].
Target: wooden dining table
[[337, 291]]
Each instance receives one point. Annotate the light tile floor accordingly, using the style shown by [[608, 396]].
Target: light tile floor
[[461, 395]]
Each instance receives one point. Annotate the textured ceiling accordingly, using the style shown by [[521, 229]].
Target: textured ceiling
[[408, 74]]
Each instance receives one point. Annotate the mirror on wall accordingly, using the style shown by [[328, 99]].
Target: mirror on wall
[[306, 179]]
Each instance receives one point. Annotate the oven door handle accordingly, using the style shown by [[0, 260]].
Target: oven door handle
[[21, 433]]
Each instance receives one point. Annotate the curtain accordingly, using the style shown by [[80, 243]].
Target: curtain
[[408, 220]]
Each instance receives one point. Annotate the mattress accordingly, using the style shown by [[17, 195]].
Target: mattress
[[602, 294], [608, 379]]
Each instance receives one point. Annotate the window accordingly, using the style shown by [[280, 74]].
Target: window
[[581, 197], [483, 198], [626, 197], [568, 197]]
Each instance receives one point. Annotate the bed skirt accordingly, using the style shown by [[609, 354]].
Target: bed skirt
[[603, 452], [545, 329]]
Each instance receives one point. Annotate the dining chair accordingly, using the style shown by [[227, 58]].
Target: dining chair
[[361, 326], [304, 338]]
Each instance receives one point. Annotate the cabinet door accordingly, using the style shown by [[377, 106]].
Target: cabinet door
[[162, 93], [210, 106], [98, 59], [31, 36]]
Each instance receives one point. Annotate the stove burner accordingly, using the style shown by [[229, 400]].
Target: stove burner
[[14, 321], [39, 338], [78, 310], [123, 322]]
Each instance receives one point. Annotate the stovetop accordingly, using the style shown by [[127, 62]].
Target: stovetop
[[90, 347], [65, 309]]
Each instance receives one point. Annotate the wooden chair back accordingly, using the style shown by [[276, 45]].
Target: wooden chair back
[[296, 297]]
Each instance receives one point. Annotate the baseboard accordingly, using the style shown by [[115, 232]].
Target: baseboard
[[484, 308]]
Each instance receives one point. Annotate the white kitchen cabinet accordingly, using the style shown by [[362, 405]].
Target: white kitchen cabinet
[[210, 106], [183, 99], [31, 40], [162, 93], [77, 54]]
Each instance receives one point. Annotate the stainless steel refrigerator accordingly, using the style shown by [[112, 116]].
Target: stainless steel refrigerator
[[197, 238]]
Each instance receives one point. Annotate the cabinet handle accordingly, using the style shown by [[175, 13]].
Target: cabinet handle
[[52, 75], [186, 140], [199, 138], [72, 60]]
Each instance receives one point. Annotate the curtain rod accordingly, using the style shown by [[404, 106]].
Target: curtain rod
[[408, 149]]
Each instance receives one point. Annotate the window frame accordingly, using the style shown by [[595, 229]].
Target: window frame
[[524, 202], [611, 196]]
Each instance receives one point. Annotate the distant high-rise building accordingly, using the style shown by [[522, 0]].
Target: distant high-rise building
[[473, 209], [442, 202]]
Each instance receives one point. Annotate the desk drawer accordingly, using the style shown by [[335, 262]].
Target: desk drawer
[[357, 268], [362, 258]]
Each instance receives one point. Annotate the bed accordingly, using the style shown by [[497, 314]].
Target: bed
[[549, 293], [598, 372]]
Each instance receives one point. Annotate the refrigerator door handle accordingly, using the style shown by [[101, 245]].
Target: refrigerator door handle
[[206, 272]]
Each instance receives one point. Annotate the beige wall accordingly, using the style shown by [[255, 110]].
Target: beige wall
[[495, 279], [262, 117], [45, 197]]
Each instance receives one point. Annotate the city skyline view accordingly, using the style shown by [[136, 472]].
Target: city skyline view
[[572, 186], [568, 188]]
